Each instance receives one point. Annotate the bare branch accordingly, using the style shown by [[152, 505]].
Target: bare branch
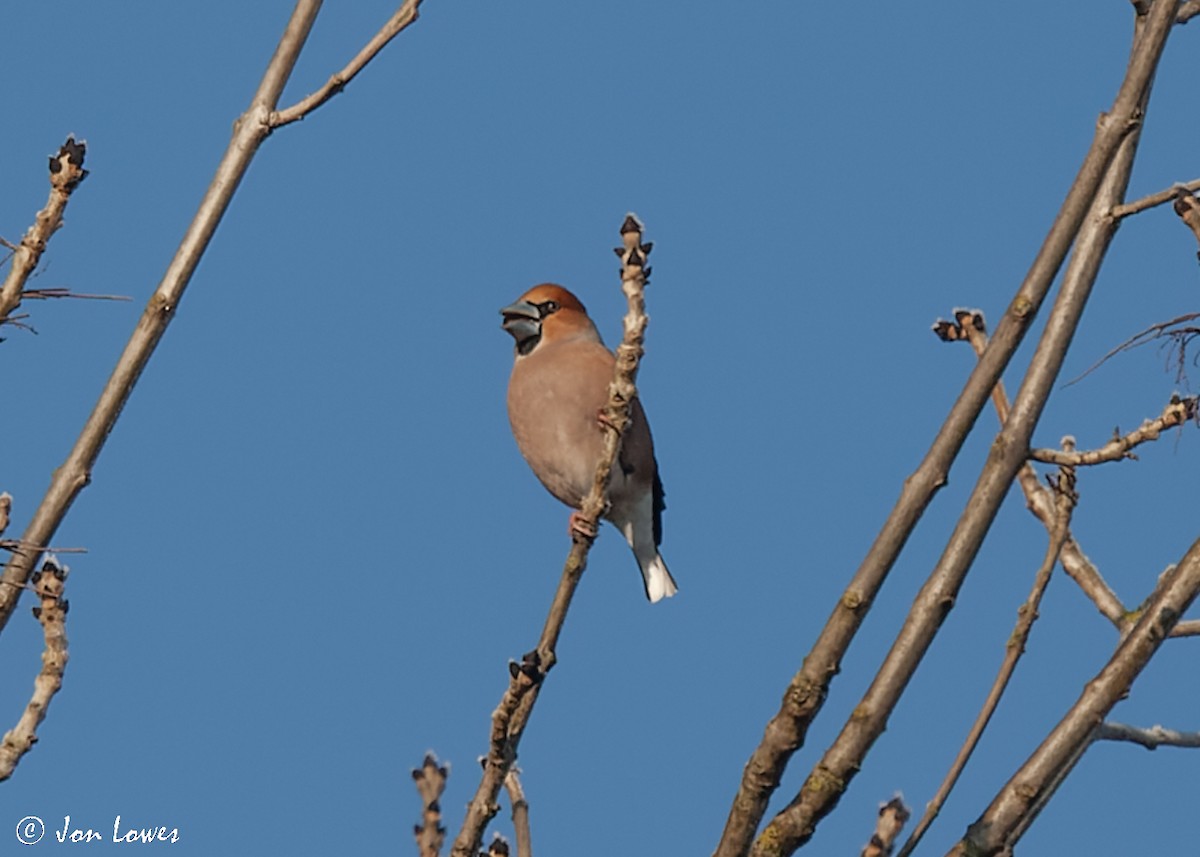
[[512, 714], [1187, 11], [828, 780], [998, 827], [431, 782], [1027, 614], [1188, 209], [66, 173], [1042, 799], [1153, 738], [1190, 628], [520, 813], [60, 292], [1154, 331], [892, 817], [805, 694], [1038, 497], [5, 509], [1176, 413], [405, 15], [251, 128], [1152, 201], [48, 585], [18, 546]]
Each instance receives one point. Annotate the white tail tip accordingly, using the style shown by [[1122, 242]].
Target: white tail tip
[[659, 583]]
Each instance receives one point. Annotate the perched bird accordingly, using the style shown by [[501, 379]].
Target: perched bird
[[558, 387]]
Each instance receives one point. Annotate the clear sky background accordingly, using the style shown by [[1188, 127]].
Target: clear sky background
[[312, 544]]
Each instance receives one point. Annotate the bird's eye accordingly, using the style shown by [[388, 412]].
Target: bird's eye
[[549, 307]]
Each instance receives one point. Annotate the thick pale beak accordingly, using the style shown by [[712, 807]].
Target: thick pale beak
[[524, 322]]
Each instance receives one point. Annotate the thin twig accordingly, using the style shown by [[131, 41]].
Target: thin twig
[[18, 546], [973, 329], [1151, 738], [520, 813], [1006, 817], [48, 584], [1177, 412], [512, 714], [806, 692], [1152, 201], [251, 128], [66, 173], [892, 817], [60, 292], [405, 15], [1027, 614], [1152, 332], [430, 779], [969, 326]]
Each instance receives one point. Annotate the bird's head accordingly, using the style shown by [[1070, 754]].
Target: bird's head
[[546, 313]]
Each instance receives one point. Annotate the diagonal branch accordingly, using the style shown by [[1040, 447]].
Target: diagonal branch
[[251, 128], [1027, 614], [512, 714], [405, 15], [969, 326], [66, 173], [1153, 200], [1004, 820], [794, 825], [805, 694], [1177, 412]]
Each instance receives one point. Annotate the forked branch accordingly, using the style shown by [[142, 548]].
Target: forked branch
[[251, 128], [805, 694], [1006, 818]]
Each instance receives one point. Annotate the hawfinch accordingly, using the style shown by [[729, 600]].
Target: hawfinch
[[558, 387]]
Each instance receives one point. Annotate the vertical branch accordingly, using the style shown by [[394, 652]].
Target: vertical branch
[[66, 173], [805, 694], [520, 813], [512, 714], [892, 817], [51, 613], [430, 779]]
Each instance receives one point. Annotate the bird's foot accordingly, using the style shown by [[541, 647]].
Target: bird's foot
[[580, 528], [605, 421]]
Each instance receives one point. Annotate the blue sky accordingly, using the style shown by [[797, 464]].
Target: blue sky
[[312, 544]]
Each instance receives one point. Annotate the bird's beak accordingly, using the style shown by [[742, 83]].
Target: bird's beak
[[524, 322]]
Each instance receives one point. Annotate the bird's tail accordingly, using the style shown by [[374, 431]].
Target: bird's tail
[[659, 583]]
